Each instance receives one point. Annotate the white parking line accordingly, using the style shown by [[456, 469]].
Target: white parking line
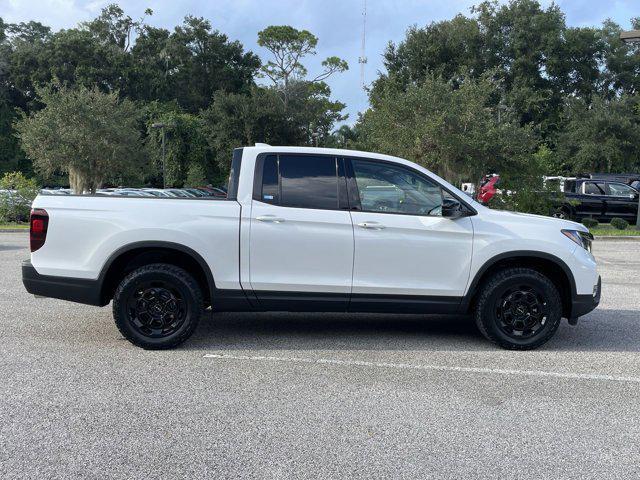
[[437, 368]]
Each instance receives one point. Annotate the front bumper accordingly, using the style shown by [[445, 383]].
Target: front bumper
[[583, 304], [78, 290]]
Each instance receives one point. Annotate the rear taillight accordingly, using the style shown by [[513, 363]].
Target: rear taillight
[[38, 229]]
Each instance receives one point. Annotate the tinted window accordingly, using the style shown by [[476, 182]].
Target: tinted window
[[308, 181], [620, 190], [270, 190], [391, 189], [593, 188], [234, 174]]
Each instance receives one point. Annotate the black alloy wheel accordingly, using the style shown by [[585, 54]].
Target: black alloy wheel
[[521, 311], [156, 309], [157, 306], [518, 308]]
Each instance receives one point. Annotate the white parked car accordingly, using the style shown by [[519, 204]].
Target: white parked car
[[312, 229]]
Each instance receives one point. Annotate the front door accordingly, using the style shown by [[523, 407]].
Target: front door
[[592, 203], [622, 202], [301, 240], [404, 249]]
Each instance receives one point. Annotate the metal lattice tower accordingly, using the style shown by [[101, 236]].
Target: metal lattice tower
[[362, 59]]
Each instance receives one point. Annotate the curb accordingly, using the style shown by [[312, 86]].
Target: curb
[[14, 230], [631, 238]]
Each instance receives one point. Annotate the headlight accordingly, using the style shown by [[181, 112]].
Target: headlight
[[584, 239]]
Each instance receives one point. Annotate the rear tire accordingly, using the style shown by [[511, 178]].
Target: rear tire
[[518, 309], [157, 306]]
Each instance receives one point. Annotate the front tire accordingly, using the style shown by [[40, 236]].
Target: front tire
[[157, 306], [518, 309]]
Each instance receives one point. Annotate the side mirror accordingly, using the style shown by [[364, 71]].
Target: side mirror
[[452, 208]]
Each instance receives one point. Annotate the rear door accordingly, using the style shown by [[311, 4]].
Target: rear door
[[301, 237], [405, 251]]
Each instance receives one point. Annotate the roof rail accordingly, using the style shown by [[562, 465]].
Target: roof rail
[[262, 145]]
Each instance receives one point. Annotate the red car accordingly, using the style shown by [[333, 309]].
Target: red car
[[488, 187]]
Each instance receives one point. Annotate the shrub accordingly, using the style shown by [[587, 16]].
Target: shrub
[[17, 194], [589, 223], [619, 223]]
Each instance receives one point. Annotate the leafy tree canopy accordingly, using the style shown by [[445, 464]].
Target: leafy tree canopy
[[89, 135], [449, 128], [289, 47]]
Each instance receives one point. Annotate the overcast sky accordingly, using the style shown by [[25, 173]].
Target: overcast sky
[[337, 23]]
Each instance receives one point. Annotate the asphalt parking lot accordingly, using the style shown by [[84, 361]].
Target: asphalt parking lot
[[323, 396]]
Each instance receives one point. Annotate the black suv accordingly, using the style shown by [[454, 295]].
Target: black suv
[[599, 199]]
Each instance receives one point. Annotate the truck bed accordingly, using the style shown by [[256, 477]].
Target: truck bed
[[85, 230]]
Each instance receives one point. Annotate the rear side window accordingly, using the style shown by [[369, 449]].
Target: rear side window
[[593, 188], [270, 187], [234, 174], [308, 182], [301, 181]]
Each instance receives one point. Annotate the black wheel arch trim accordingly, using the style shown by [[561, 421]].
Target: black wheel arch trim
[[91, 291], [473, 285], [223, 300], [158, 244]]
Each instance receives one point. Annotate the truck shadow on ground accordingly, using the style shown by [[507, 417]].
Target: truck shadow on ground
[[333, 331], [602, 330]]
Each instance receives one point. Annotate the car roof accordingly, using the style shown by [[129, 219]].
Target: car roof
[[261, 148]]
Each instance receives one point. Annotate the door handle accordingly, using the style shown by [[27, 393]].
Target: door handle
[[371, 225], [270, 218]]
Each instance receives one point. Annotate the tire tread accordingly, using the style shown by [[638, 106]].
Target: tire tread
[[169, 270], [485, 293]]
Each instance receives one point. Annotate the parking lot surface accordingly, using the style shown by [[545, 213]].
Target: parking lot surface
[[322, 396]]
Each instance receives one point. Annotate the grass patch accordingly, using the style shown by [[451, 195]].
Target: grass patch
[[14, 226], [608, 230]]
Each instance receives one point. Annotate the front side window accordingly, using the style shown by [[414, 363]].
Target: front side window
[[621, 190], [387, 188], [593, 188]]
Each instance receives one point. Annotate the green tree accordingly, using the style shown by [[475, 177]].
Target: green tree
[[186, 146], [601, 137], [289, 46], [115, 28], [235, 120], [449, 128], [89, 135], [189, 65], [15, 206], [115, 52], [196, 176], [540, 62]]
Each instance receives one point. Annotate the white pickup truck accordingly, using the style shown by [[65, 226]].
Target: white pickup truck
[[313, 229]]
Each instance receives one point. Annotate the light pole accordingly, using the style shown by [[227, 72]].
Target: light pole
[[162, 126], [632, 36]]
